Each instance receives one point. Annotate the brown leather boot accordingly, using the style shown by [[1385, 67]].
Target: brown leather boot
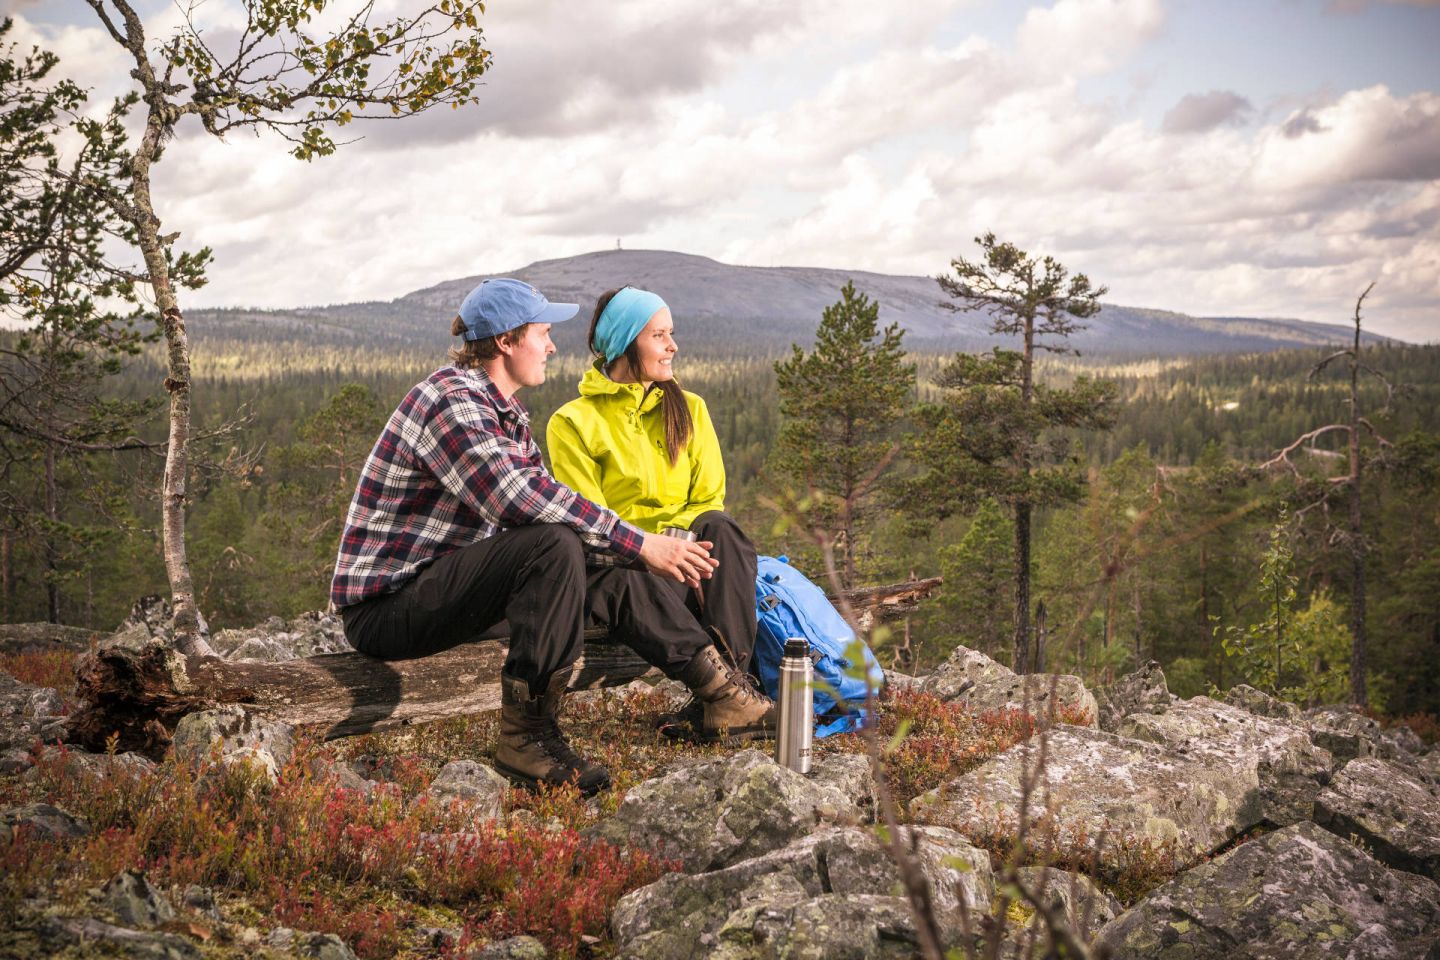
[[532, 749], [733, 709]]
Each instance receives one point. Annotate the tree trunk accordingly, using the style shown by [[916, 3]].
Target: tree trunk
[[188, 636], [7, 586], [1022, 588], [52, 564], [1358, 694], [142, 696]]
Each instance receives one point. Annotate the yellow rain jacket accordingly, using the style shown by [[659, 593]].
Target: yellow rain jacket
[[608, 445]]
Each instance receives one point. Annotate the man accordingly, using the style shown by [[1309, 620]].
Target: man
[[456, 525]]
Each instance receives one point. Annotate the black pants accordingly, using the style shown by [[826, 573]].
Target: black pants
[[729, 596], [535, 578]]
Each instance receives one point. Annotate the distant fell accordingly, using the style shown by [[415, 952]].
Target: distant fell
[[726, 308]]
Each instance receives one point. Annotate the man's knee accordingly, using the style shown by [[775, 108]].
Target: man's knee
[[554, 546]]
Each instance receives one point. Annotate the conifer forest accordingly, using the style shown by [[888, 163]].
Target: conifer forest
[[1180, 536]]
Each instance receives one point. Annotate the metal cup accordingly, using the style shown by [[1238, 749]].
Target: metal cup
[[680, 533]]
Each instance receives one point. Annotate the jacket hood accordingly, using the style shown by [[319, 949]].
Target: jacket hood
[[595, 384]]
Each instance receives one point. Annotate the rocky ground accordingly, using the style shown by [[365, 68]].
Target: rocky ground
[[1289, 834]]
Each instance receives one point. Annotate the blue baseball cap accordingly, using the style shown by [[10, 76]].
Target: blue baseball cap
[[496, 306]]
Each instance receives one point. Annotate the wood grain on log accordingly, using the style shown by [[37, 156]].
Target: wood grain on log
[[139, 697]]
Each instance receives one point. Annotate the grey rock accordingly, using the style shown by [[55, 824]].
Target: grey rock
[[1141, 691], [41, 820], [78, 764], [97, 938], [849, 774], [896, 681], [15, 760], [963, 670], [1284, 763], [1087, 906], [344, 775], [683, 915], [276, 640], [515, 948], [138, 904], [1396, 816], [1032, 693], [316, 946], [1400, 743], [1100, 783], [831, 926], [202, 901], [1261, 704], [1344, 731], [28, 713], [714, 814], [44, 638], [1299, 893], [472, 782], [240, 735], [151, 614]]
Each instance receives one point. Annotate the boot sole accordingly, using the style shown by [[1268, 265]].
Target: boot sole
[[533, 783]]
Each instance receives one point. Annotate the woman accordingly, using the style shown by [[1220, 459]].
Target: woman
[[634, 442]]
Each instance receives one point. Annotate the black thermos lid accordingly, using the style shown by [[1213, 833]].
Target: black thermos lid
[[797, 647]]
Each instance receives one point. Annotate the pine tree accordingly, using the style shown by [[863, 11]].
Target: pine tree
[[842, 405], [995, 433], [977, 597]]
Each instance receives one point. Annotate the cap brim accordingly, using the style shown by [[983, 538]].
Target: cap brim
[[556, 313]]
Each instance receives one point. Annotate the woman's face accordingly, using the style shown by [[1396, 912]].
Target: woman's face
[[655, 348]]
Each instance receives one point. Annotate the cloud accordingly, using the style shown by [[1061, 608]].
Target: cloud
[[1366, 134], [1083, 37], [1199, 112]]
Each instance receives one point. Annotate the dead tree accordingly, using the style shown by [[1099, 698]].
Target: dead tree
[[138, 696], [1349, 534]]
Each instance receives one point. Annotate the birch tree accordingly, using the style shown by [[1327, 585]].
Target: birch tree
[[279, 74]]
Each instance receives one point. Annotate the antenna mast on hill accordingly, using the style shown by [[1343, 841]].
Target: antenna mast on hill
[[617, 243]]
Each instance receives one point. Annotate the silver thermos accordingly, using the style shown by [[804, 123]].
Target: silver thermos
[[797, 707]]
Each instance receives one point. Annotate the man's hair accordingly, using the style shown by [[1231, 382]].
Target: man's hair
[[472, 353]]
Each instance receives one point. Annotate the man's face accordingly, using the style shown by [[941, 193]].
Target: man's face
[[526, 356]]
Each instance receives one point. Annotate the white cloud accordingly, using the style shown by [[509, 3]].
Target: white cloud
[[842, 134]]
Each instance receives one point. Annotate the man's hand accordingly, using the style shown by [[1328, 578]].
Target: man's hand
[[688, 561]]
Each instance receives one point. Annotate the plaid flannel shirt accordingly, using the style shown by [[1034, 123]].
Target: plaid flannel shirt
[[456, 463]]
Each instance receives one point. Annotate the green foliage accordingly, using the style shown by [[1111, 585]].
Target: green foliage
[[976, 601], [1297, 655], [75, 312], [302, 86], [842, 405]]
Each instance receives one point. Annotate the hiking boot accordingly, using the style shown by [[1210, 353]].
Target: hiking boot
[[532, 749], [732, 709]]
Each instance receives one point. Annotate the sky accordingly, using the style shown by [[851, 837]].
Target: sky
[[1217, 157]]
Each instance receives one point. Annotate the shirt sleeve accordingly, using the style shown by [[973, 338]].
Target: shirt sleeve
[[707, 469], [571, 460], [463, 445]]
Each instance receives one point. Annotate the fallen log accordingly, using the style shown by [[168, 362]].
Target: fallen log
[[137, 697]]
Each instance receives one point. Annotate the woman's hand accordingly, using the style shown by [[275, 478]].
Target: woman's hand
[[688, 561]]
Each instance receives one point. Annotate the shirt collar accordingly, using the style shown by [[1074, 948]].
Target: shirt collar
[[503, 405]]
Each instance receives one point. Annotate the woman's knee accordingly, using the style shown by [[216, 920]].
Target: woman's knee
[[719, 527]]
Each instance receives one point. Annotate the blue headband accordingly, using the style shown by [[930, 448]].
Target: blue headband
[[623, 318]]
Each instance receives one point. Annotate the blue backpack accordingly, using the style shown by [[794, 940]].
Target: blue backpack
[[787, 604]]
